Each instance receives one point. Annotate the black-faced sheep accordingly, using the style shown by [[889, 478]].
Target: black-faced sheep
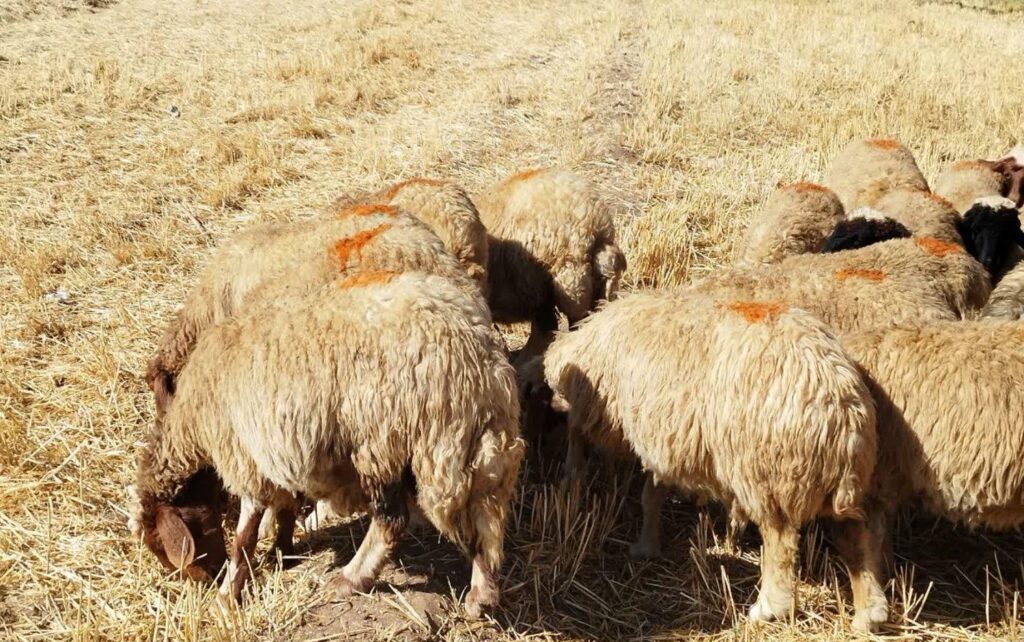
[[552, 246], [855, 233], [310, 254], [866, 170], [796, 220], [991, 231], [446, 209], [388, 387], [751, 403]]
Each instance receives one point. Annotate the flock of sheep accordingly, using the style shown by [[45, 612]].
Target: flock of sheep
[[857, 359]]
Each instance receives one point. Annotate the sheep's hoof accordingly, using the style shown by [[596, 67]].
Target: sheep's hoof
[[644, 550], [869, 620], [481, 600], [762, 610], [341, 587]]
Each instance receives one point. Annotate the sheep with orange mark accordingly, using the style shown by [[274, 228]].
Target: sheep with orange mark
[[964, 182], [921, 212], [446, 209], [551, 246], [919, 279], [269, 261], [867, 170], [752, 403], [392, 389], [950, 409], [796, 220]]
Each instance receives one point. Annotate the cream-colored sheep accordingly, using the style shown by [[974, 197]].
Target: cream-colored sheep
[[276, 260], [922, 212], [866, 170], [1007, 299], [552, 245], [752, 403], [796, 220], [964, 182], [390, 387], [446, 209], [901, 280], [950, 416]]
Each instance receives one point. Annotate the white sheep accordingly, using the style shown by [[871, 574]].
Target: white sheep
[[392, 388], [552, 246], [796, 220], [752, 403], [866, 170]]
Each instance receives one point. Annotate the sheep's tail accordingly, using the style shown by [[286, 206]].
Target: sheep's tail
[[609, 263], [855, 473], [495, 473]]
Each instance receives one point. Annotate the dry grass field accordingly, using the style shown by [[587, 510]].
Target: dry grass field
[[137, 135]]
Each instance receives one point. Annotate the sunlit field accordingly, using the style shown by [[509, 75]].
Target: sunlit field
[[135, 136]]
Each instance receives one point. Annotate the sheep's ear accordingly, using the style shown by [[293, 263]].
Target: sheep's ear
[[1016, 189], [162, 384], [178, 542]]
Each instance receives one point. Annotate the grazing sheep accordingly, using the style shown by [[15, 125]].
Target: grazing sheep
[[964, 182], [950, 411], [751, 403], [274, 260], [917, 279], [388, 387], [921, 212], [855, 233], [446, 209], [869, 169], [552, 245], [796, 220]]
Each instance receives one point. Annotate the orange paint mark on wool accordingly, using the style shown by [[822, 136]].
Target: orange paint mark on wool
[[398, 187], [522, 176], [856, 273], [884, 143], [368, 210], [756, 311], [353, 245], [363, 279], [937, 247], [972, 164], [804, 186]]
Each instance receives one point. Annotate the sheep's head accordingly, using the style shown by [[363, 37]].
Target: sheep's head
[[991, 229], [861, 232], [186, 533], [1012, 170]]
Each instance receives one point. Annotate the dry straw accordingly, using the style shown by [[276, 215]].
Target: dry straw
[[136, 135]]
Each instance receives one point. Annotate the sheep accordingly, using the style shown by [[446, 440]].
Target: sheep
[[551, 246], [753, 403], [917, 279], [921, 212], [858, 232], [991, 231], [446, 209], [950, 411], [309, 253], [868, 169], [964, 182], [388, 387], [1007, 300], [796, 220]]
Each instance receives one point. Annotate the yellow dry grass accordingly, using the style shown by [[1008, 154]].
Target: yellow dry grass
[[135, 136]]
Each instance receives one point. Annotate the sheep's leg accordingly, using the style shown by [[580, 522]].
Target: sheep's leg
[[860, 545], [648, 545], [489, 534], [284, 538], [246, 537], [575, 457], [542, 331], [734, 530], [389, 517], [778, 572]]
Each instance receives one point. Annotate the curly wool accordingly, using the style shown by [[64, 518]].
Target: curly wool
[[337, 391], [271, 261], [549, 229], [964, 182], [866, 170], [903, 280], [796, 220], [446, 209]]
